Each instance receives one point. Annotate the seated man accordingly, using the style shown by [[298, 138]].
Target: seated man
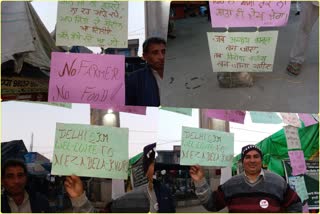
[[142, 86], [16, 198]]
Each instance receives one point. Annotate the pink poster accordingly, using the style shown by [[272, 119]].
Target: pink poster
[[228, 115], [307, 119], [305, 208], [291, 119], [87, 78], [249, 13], [297, 162]]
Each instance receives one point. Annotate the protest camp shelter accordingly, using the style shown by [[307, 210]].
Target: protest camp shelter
[[274, 149], [14, 149], [26, 47], [36, 163]]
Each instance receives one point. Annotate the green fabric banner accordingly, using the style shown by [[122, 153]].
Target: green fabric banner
[[274, 148]]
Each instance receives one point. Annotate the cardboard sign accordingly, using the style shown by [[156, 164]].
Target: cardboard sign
[[242, 51], [93, 151], [87, 78], [206, 147], [185, 111], [265, 117], [307, 119], [227, 115], [297, 162], [249, 13], [291, 119], [292, 136], [92, 23]]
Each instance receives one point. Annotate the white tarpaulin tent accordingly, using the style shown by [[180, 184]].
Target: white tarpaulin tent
[[24, 38]]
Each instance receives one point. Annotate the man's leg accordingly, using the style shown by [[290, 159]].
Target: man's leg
[[309, 16], [298, 7]]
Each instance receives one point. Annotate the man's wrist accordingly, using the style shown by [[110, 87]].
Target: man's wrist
[[200, 183], [80, 200]]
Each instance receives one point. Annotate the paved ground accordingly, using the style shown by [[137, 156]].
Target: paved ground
[[188, 57]]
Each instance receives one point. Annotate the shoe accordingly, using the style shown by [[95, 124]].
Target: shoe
[[172, 36], [297, 13]]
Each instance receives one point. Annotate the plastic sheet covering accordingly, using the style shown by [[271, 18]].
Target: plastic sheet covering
[[274, 148], [24, 37]]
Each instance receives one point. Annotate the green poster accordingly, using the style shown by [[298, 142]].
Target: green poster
[[299, 185], [65, 105], [206, 147], [185, 111], [265, 117], [93, 151]]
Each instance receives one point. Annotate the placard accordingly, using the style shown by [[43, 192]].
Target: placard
[[265, 117], [93, 151], [92, 23], [311, 180], [292, 137], [307, 119], [87, 78], [206, 147], [65, 105], [138, 176], [227, 115], [299, 186], [185, 111], [242, 51], [249, 13], [297, 162], [291, 119]]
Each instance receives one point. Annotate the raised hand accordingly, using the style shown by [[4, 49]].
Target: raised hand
[[74, 186], [196, 172]]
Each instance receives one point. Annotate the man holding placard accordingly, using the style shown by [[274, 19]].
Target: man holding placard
[[142, 86], [156, 197], [255, 190], [160, 199]]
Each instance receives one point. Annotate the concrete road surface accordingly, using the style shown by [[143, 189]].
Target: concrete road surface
[[188, 62]]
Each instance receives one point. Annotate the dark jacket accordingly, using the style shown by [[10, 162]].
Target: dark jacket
[[142, 88], [38, 203], [164, 198]]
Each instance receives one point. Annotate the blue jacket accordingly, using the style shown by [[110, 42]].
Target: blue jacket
[[142, 88], [38, 203], [164, 198]]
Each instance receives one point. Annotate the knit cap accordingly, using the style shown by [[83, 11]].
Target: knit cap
[[247, 149], [149, 153]]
